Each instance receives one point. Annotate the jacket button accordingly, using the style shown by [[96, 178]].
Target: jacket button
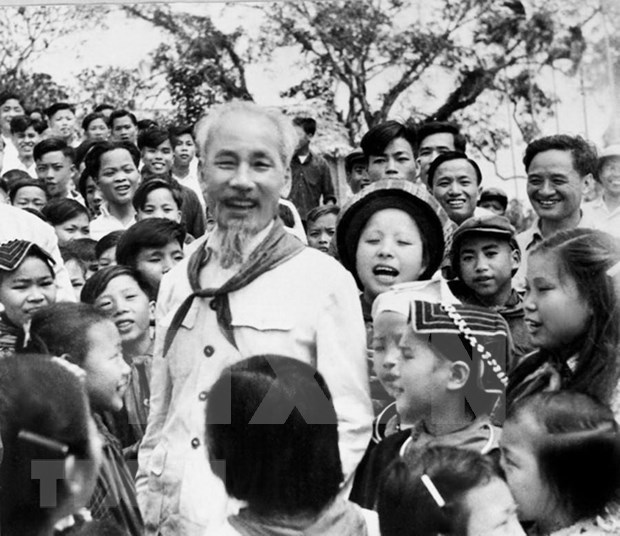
[[195, 443], [202, 396], [213, 304], [209, 351]]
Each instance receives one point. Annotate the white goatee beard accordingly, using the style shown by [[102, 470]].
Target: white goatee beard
[[233, 239]]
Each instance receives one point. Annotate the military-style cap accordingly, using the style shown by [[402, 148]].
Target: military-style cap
[[494, 194], [354, 156]]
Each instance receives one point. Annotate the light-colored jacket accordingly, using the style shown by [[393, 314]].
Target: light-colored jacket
[[307, 308]]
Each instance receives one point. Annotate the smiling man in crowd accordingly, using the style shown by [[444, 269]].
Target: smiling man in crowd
[[249, 288], [558, 170]]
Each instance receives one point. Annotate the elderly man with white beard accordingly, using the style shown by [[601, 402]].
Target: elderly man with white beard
[[250, 288]]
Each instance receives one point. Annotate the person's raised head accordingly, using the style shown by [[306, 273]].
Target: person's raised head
[[454, 179], [321, 226], [435, 138], [572, 308], [44, 415], [123, 126], [158, 198], [84, 336], [95, 126], [28, 192], [156, 150], [272, 436], [245, 150], [390, 150], [26, 280], [558, 170], [446, 491], [152, 247], [560, 452], [391, 232], [11, 105], [61, 117], [54, 163]]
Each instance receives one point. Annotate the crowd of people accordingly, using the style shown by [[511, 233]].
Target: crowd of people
[[197, 336]]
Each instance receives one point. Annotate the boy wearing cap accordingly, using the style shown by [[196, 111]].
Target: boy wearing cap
[[356, 167], [495, 200], [485, 256], [606, 210], [26, 285], [445, 366]]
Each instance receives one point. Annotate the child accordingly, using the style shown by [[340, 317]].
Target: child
[[573, 317], [157, 198], [91, 193], [561, 455], [185, 164], [446, 491], [26, 285], [123, 126], [392, 232], [44, 415], [114, 167], [80, 261], [25, 134], [87, 338], [321, 226], [152, 247], [287, 470], [445, 366], [485, 256], [356, 168], [69, 218], [156, 150], [28, 193], [119, 293], [105, 250], [61, 117], [54, 161], [95, 127]]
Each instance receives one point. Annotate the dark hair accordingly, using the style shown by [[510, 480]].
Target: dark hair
[[447, 157], [58, 211], [82, 150], [145, 124], [586, 255], [23, 183], [306, 123], [100, 107], [93, 156], [321, 210], [9, 95], [152, 137], [51, 145], [442, 127], [117, 114], [40, 397], [108, 241], [57, 107], [280, 460], [177, 131], [380, 136], [21, 123], [139, 198], [98, 282], [89, 118], [149, 233], [14, 175], [583, 152], [578, 450], [81, 249], [63, 328], [406, 507]]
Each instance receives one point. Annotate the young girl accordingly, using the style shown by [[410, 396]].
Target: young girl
[[393, 232], [561, 456], [44, 415], [26, 285], [321, 226], [87, 338], [272, 438], [120, 293], [446, 491], [69, 218], [573, 317]]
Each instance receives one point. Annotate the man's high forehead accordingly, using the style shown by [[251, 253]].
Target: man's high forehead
[[438, 139], [247, 127]]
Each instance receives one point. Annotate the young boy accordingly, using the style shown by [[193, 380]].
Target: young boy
[[26, 285], [445, 366], [28, 193], [158, 198], [156, 150], [152, 247], [54, 165], [61, 116], [485, 256], [25, 134], [185, 164], [105, 250]]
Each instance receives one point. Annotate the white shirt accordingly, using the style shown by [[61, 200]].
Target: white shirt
[[191, 181], [106, 223]]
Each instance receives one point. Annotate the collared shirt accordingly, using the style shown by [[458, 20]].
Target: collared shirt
[[311, 179], [532, 236], [12, 161], [603, 218], [191, 181], [106, 223]]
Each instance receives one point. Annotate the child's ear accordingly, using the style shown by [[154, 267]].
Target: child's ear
[[152, 311], [515, 259], [459, 374]]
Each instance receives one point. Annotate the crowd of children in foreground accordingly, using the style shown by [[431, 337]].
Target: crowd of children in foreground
[[495, 411]]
